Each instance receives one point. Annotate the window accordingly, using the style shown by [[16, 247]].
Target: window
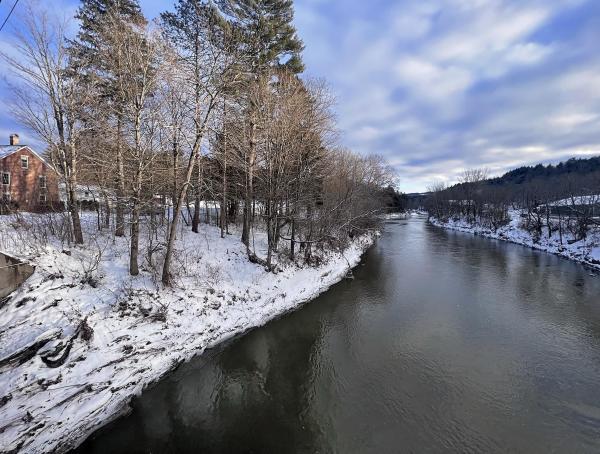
[[5, 178], [24, 162], [43, 197], [6, 197], [43, 182]]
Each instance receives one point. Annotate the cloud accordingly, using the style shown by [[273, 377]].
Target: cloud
[[440, 85], [437, 86], [430, 81]]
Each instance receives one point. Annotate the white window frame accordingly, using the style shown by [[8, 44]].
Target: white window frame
[[6, 197], [42, 198], [8, 179], [43, 182], [24, 160]]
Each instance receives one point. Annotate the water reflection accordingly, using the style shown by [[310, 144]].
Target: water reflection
[[442, 342]]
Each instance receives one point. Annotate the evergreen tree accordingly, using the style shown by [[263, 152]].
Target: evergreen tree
[[87, 60], [267, 33], [93, 14], [193, 25], [269, 42]]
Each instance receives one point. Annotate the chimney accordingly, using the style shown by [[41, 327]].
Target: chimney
[[14, 139]]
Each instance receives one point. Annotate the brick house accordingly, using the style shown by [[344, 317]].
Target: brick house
[[27, 181]]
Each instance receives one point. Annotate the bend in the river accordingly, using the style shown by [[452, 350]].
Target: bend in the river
[[443, 342]]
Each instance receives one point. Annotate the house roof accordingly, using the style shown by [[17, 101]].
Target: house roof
[[7, 150]]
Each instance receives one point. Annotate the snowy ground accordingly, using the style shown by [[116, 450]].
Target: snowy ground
[[585, 251], [140, 331], [395, 216]]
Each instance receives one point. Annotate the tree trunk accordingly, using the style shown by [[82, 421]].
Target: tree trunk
[[71, 182], [166, 272], [548, 224], [175, 162], [135, 238], [197, 199], [120, 221], [224, 201], [196, 216], [98, 216], [292, 241], [249, 186], [74, 210], [269, 233], [106, 211]]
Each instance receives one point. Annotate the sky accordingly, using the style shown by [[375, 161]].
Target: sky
[[439, 86]]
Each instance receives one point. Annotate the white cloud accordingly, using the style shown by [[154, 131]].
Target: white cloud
[[367, 133], [572, 120], [440, 85], [430, 80]]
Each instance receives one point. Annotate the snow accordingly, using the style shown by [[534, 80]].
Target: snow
[[577, 201], [141, 331], [7, 150], [394, 216], [585, 251]]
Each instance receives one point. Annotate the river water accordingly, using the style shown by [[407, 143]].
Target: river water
[[443, 342]]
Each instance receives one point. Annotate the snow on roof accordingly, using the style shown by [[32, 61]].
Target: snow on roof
[[7, 150]]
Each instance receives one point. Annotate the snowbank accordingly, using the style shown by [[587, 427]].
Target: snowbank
[[575, 201], [584, 251], [140, 331], [395, 216]]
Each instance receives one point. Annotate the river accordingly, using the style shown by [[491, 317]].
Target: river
[[443, 342]]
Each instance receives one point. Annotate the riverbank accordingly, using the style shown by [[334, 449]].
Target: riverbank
[[585, 251], [123, 334]]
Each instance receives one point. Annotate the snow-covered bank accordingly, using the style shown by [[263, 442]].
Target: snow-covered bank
[[139, 330], [395, 216], [584, 251], [403, 215]]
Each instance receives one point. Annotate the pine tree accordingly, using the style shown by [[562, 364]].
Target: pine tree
[[194, 24], [269, 41], [93, 15], [86, 59], [267, 33]]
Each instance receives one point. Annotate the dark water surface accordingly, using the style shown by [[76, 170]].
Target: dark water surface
[[443, 342]]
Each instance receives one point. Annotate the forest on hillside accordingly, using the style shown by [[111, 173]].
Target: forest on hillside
[[572, 167], [553, 200]]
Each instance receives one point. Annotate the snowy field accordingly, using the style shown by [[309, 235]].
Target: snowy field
[[125, 333], [584, 251]]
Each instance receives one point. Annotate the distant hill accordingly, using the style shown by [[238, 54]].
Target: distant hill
[[525, 174], [416, 200]]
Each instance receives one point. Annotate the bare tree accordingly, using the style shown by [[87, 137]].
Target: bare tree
[[135, 53], [209, 67], [48, 100]]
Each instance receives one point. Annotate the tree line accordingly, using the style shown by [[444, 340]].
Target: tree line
[[552, 202], [572, 167], [203, 107]]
